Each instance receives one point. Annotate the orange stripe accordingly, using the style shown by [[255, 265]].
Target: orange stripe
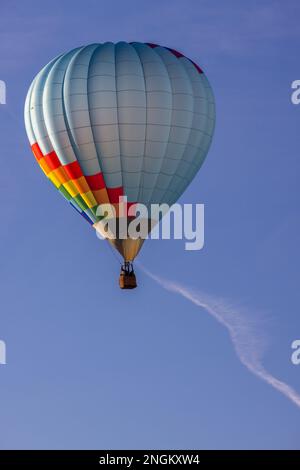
[[61, 175], [37, 151], [43, 164], [81, 185], [101, 196]]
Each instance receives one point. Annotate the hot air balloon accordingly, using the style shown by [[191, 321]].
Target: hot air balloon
[[126, 119]]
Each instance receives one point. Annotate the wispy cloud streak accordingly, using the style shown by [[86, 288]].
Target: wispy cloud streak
[[248, 342]]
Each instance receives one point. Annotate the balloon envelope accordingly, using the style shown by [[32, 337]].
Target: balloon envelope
[[107, 120]]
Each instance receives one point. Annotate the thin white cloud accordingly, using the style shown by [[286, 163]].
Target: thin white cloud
[[248, 343]]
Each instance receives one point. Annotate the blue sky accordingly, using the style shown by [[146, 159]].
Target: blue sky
[[90, 366]]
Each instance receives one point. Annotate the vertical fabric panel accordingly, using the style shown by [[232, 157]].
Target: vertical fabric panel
[[104, 113], [201, 134], [37, 111], [27, 116], [158, 118], [131, 103], [76, 106], [53, 108], [181, 123]]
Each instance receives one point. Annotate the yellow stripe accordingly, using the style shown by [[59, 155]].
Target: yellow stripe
[[73, 187], [89, 199], [70, 187], [54, 179]]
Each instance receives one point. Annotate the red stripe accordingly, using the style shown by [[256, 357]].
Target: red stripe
[[37, 151], [52, 160], [95, 182], [176, 53], [197, 66], [73, 170], [114, 194]]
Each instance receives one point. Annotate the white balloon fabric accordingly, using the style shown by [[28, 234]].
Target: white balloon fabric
[[134, 119]]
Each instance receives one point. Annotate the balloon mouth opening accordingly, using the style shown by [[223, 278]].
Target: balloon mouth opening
[[127, 239], [123, 228]]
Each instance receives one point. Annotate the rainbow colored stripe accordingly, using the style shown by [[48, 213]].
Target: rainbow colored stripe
[[84, 193]]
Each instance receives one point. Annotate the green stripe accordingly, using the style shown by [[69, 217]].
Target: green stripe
[[64, 192], [80, 202]]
